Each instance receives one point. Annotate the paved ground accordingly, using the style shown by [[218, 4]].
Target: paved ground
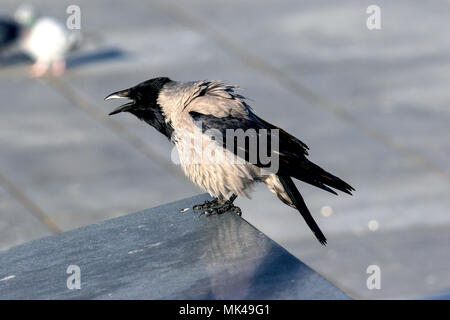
[[372, 105]]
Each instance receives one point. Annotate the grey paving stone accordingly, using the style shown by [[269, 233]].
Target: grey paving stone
[[414, 262], [17, 224]]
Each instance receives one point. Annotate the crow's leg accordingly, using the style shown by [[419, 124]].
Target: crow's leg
[[224, 207], [207, 204]]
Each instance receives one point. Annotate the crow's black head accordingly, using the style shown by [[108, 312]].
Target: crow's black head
[[144, 95], [144, 103]]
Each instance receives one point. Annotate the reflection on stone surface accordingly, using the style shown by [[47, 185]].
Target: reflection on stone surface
[[231, 245]]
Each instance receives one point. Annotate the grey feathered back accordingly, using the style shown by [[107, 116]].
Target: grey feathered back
[[207, 97]]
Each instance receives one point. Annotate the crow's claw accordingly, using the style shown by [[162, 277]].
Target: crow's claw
[[220, 209], [206, 204]]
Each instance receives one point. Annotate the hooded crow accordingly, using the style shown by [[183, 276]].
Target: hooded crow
[[198, 116]]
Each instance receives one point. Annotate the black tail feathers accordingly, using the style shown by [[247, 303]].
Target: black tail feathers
[[313, 174], [300, 204]]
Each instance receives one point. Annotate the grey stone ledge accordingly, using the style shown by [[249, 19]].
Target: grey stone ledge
[[161, 253]]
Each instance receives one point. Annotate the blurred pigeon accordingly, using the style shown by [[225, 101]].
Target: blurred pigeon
[[186, 111], [47, 41]]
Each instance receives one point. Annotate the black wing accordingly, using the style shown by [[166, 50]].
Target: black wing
[[292, 152]]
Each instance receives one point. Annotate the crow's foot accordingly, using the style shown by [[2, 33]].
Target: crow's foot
[[207, 204], [222, 208]]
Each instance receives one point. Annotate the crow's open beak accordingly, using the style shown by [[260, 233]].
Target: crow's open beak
[[120, 95]]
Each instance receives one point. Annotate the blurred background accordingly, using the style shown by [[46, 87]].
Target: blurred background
[[372, 105]]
